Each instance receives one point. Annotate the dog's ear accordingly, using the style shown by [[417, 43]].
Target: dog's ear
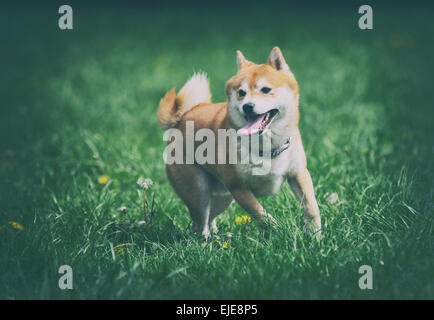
[[241, 61], [277, 61]]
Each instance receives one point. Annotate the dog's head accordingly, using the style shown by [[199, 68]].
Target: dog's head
[[262, 97]]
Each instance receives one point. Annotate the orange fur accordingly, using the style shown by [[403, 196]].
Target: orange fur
[[170, 110]]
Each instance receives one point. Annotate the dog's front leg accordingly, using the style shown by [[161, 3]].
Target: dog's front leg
[[302, 186], [249, 203]]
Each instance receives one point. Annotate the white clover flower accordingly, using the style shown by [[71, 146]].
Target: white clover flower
[[148, 183], [140, 181], [144, 183]]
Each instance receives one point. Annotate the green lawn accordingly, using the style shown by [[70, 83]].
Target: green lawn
[[77, 105]]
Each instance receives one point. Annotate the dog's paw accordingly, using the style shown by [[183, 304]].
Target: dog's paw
[[268, 221], [206, 234], [213, 227], [312, 228], [202, 232], [271, 221], [270, 218]]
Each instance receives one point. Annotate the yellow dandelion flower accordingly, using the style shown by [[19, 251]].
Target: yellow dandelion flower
[[16, 225], [226, 244], [243, 219], [5, 165], [246, 219], [103, 179]]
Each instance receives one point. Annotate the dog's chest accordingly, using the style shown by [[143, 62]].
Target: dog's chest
[[264, 179]]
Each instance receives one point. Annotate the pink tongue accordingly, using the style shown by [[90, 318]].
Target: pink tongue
[[252, 126]]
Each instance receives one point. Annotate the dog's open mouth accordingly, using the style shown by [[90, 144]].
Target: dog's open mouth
[[258, 123]]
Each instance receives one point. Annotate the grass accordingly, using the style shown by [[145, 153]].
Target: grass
[[81, 104]]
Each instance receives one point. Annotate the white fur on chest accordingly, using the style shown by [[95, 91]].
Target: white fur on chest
[[264, 180]]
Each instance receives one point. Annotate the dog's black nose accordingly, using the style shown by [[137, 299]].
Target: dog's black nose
[[248, 108]]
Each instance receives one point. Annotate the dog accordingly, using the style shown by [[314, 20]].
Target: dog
[[262, 100]]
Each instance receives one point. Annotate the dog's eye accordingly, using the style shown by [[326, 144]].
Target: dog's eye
[[241, 93], [265, 90]]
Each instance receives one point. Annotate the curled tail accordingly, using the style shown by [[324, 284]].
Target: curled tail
[[173, 106]]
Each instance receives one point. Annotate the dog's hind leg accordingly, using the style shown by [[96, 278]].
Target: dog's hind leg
[[192, 184], [219, 203], [221, 199]]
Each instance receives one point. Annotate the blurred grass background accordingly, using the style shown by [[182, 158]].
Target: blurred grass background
[[80, 104]]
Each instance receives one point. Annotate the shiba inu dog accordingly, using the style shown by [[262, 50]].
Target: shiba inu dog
[[262, 100]]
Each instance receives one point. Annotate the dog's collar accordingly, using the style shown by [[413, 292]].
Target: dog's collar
[[277, 151]]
